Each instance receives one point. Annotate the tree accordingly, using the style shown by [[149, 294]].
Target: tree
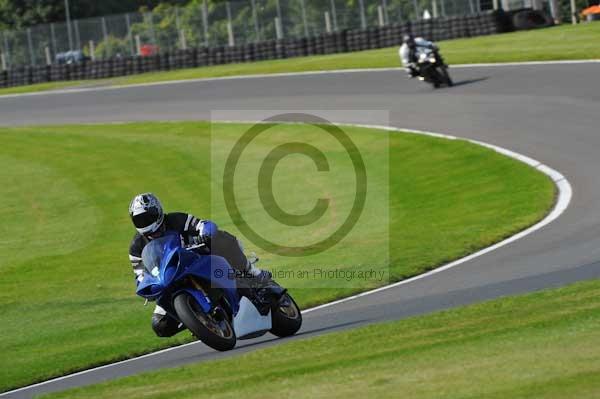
[[17, 14]]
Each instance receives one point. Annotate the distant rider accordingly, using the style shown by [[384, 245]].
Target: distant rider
[[410, 50], [151, 222]]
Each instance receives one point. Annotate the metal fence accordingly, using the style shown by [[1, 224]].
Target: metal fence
[[217, 23]]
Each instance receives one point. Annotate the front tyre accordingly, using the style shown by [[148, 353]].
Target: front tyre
[[446, 76], [434, 76], [286, 317], [212, 329]]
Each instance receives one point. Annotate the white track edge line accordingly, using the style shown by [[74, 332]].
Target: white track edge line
[[565, 193], [285, 74]]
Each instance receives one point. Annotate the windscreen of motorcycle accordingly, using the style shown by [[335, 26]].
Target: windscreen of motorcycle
[[154, 252]]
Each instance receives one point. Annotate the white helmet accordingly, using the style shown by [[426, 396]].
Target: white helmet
[[146, 213]]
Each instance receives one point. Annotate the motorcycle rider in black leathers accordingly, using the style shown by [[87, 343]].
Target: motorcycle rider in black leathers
[[409, 52], [151, 222]]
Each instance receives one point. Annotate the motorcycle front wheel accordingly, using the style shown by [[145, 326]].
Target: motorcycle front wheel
[[215, 330], [286, 317], [446, 76]]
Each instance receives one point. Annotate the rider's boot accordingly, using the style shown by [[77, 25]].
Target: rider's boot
[[262, 280]]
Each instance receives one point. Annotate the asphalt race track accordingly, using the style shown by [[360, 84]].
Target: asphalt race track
[[548, 112]]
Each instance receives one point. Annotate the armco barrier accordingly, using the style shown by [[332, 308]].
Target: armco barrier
[[328, 43]]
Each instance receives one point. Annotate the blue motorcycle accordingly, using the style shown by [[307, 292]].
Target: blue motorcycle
[[203, 293]]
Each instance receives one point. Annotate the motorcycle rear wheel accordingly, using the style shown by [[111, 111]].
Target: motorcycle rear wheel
[[218, 334], [286, 317]]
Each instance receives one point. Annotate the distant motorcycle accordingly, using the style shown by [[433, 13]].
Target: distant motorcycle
[[432, 68], [201, 292]]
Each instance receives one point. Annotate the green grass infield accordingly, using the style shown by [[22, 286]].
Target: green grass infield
[[67, 298], [541, 345]]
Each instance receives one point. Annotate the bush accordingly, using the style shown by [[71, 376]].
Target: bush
[[112, 47]]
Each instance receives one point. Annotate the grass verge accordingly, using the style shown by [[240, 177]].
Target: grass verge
[[41, 87], [66, 291], [566, 42], [544, 344]]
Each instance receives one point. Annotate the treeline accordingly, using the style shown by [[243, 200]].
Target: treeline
[[18, 14], [171, 26], [160, 25]]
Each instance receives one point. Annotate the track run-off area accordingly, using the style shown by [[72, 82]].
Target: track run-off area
[[545, 111]]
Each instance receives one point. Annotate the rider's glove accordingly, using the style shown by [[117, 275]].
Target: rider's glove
[[206, 230]]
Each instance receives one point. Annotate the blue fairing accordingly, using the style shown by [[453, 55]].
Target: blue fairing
[[200, 298], [167, 263]]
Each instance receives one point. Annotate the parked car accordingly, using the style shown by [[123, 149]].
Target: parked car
[[71, 57]]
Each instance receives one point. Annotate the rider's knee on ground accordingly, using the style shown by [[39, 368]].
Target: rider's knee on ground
[[164, 326]]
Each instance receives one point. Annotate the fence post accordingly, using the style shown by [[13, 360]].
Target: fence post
[[417, 12], [104, 30], [53, 38], [92, 50], [573, 12], [554, 10], [363, 19], [280, 19], [30, 45], [150, 22], [471, 7], [380, 16], [48, 56], [138, 45], [3, 61], [304, 20], [255, 17], [327, 22], [205, 22], [77, 37], [386, 15], [68, 17], [129, 35], [334, 14], [6, 49], [178, 29], [278, 29], [230, 36], [182, 39]]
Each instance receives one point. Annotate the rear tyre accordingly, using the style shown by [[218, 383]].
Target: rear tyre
[[286, 317], [216, 332]]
